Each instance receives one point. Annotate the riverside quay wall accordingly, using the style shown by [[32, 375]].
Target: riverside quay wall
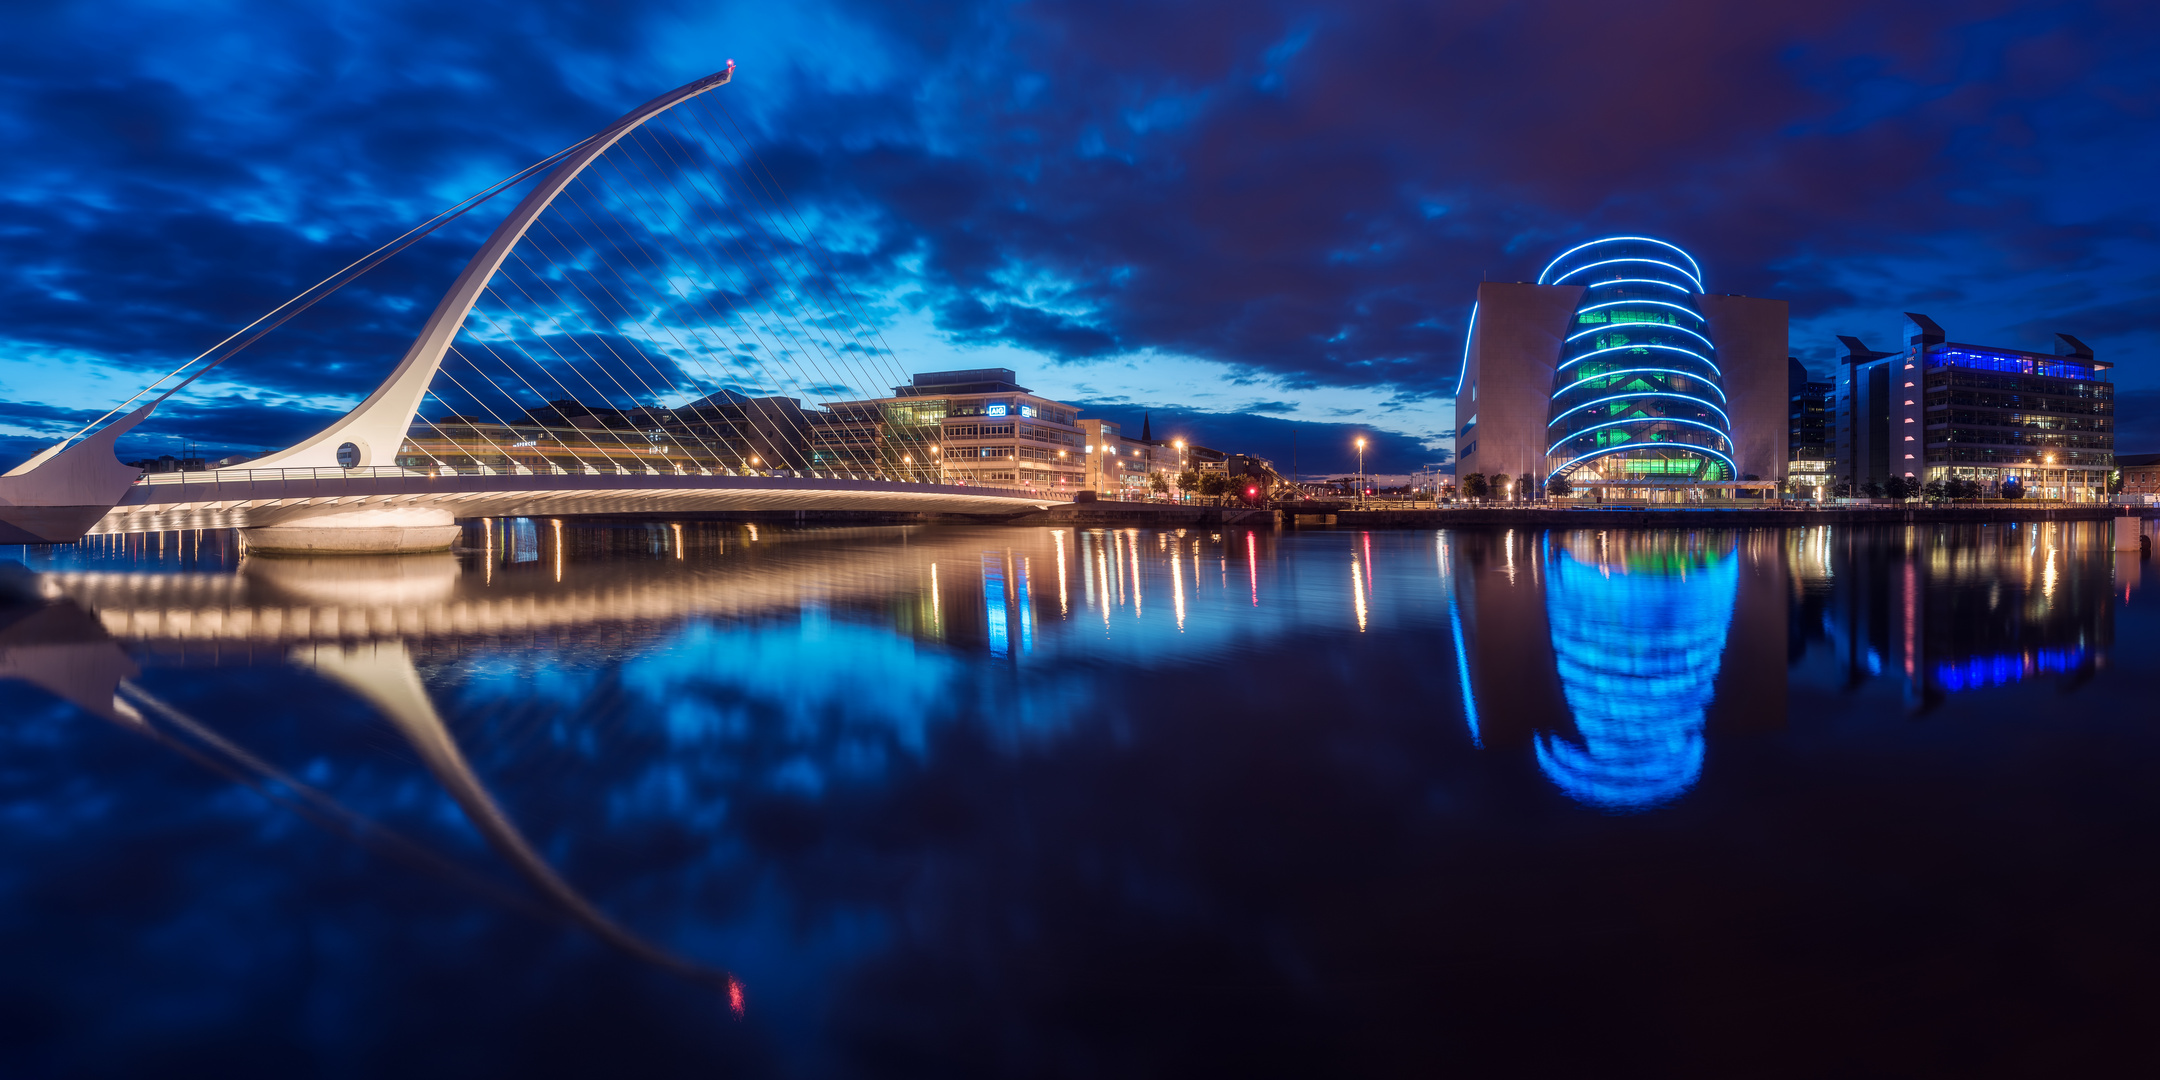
[[1689, 518], [1159, 515], [1173, 516]]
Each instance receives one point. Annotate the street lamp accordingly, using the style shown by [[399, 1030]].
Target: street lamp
[[1180, 445], [1361, 471]]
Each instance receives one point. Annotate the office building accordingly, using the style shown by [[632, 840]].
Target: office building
[[977, 426], [1808, 441], [1938, 409], [1617, 371]]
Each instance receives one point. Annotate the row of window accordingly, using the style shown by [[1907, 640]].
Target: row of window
[[1622, 316], [2038, 421], [1049, 435], [2014, 437], [1024, 410], [978, 431], [2066, 387], [2029, 402], [1989, 454], [1991, 360]]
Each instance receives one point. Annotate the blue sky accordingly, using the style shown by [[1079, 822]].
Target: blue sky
[[1245, 218]]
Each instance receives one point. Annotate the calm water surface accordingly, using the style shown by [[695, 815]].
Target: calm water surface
[[727, 800]]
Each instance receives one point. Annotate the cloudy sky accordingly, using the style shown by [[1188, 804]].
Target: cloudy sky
[[1249, 219]]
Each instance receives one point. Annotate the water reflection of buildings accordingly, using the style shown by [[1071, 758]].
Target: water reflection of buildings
[[1638, 635], [1610, 652], [1946, 609]]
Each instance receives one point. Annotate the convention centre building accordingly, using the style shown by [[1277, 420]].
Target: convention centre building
[[1617, 371]]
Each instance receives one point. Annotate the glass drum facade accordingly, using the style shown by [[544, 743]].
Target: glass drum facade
[[1637, 396]]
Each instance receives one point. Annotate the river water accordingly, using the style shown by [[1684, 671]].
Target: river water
[[710, 799]]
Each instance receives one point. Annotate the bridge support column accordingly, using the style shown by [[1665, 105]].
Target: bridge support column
[[385, 531], [2127, 528]]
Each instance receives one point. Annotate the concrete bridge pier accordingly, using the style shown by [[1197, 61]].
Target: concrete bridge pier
[[382, 531], [2127, 529]]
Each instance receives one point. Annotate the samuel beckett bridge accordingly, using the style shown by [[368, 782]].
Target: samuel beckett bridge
[[639, 335]]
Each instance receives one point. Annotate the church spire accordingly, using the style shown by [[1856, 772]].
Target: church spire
[[1147, 435]]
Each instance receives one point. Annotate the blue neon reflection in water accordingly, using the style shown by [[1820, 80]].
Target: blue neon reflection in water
[[1638, 645], [1977, 672], [994, 599]]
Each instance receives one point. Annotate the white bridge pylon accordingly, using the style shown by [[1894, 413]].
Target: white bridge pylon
[[377, 427]]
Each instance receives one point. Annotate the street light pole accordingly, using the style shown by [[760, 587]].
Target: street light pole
[[1361, 472]]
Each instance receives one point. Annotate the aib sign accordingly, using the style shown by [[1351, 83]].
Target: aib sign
[[994, 410]]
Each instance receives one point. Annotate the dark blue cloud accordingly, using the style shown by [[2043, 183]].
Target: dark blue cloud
[[1304, 193]]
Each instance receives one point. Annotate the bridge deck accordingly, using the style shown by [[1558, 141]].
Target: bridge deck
[[243, 499]]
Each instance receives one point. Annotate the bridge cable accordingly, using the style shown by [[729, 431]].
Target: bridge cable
[[636, 407], [771, 309], [618, 332], [683, 348], [832, 294], [721, 113], [591, 443], [764, 347], [693, 353], [568, 448], [856, 373], [780, 356], [568, 394], [820, 349]]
